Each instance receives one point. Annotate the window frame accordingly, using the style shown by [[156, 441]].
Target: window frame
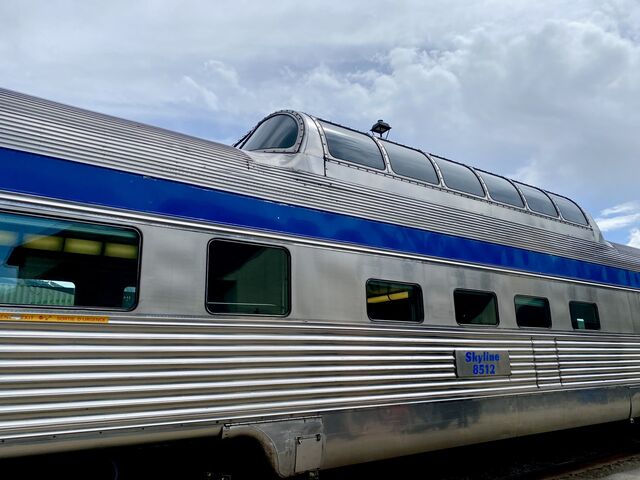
[[62, 218], [555, 197], [295, 148], [597, 311], [531, 210], [405, 177], [481, 325], [258, 244], [548, 305], [522, 207], [402, 322], [485, 195], [328, 156]]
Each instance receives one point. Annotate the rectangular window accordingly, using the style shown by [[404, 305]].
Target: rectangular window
[[532, 312], [248, 279], [475, 307], [62, 263], [584, 316], [394, 301]]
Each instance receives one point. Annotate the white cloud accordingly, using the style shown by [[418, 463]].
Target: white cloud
[[634, 238], [616, 223], [622, 208], [619, 216], [548, 92]]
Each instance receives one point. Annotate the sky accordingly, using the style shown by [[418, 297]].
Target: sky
[[544, 92]]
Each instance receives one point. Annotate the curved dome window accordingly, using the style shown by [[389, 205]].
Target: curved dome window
[[411, 163], [461, 178], [352, 146], [501, 189], [279, 132], [569, 210], [538, 201]]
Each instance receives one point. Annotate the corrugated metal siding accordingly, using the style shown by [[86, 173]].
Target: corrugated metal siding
[[48, 128], [606, 361], [64, 378], [73, 377]]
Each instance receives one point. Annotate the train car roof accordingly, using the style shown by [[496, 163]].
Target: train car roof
[[288, 132]]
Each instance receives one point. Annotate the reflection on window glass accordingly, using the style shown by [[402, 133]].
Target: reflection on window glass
[[49, 262], [569, 210], [475, 308], [129, 297], [584, 316], [538, 200], [245, 278], [458, 177], [394, 301], [352, 146], [532, 312], [501, 189], [410, 163], [279, 131], [37, 292]]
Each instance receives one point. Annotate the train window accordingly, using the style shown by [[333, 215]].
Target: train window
[[532, 312], [569, 210], [411, 163], [248, 279], [275, 133], [584, 316], [52, 262], [501, 189], [537, 200], [461, 178], [352, 146], [394, 301], [475, 307]]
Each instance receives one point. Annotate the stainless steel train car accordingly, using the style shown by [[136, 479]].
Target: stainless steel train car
[[337, 298]]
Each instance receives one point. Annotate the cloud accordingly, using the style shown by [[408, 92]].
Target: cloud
[[622, 208], [550, 104], [616, 223], [622, 216], [548, 93]]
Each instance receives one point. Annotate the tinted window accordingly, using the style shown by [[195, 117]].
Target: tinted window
[[411, 163], [501, 189], [584, 316], [532, 312], [279, 131], [461, 178], [68, 264], [247, 279], [475, 308], [569, 210], [538, 200], [352, 146], [394, 301]]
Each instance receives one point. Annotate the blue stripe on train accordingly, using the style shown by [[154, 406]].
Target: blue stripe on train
[[61, 179]]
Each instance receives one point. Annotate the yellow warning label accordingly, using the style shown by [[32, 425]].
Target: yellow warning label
[[35, 317]]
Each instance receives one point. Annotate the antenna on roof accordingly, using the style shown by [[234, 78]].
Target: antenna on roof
[[381, 127]]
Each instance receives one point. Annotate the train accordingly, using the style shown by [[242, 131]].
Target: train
[[327, 294]]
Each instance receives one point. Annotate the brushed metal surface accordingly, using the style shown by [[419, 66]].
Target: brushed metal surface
[[68, 378], [365, 435]]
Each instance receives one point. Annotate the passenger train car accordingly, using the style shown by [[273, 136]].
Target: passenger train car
[[335, 297]]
